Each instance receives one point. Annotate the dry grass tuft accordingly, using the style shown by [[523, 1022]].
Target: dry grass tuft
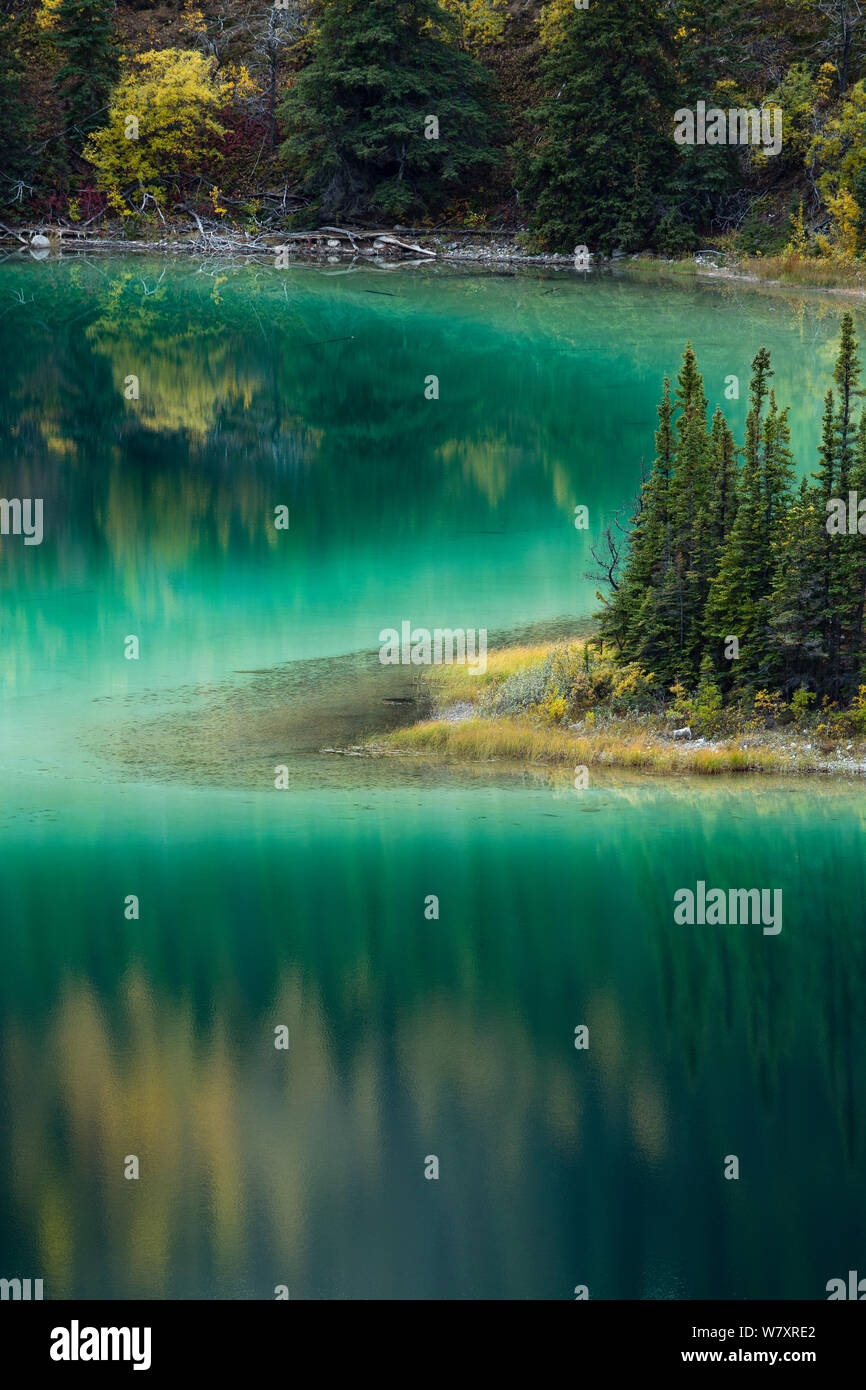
[[521, 719], [527, 741]]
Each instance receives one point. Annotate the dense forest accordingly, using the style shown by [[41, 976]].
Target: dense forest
[[736, 580], [555, 118]]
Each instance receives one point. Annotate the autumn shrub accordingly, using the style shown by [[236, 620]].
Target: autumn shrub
[[558, 685], [802, 701], [634, 689], [163, 126], [835, 724], [857, 713]]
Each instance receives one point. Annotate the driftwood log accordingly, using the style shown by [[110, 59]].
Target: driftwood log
[[211, 236], [358, 238]]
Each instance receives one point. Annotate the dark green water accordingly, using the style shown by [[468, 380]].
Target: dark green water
[[408, 1037]]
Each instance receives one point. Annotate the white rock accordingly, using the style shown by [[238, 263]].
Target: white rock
[[40, 242]]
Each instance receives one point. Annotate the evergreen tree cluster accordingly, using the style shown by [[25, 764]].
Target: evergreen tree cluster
[[355, 118], [725, 544], [18, 125], [559, 119], [84, 37], [601, 164]]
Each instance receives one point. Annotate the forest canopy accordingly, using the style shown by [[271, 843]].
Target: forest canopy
[[555, 118]]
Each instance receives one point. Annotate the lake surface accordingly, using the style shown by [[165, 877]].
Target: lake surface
[[408, 1037]]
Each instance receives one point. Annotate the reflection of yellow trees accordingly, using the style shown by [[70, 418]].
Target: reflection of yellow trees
[[194, 512], [648, 1116], [56, 444], [228, 1129], [225, 1130], [185, 364], [498, 1075], [181, 390], [489, 462], [483, 461], [199, 1114], [284, 371]]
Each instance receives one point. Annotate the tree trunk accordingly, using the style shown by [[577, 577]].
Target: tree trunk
[[272, 99]]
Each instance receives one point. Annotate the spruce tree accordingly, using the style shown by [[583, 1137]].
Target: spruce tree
[[83, 34], [388, 120], [777, 473], [715, 524], [795, 654], [722, 504], [677, 611], [734, 605], [846, 374], [598, 172], [16, 116], [844, 549], [827, 555], [711, 49], [856, 570], [622, 622]]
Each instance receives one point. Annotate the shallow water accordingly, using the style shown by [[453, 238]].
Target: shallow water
[[409, 1037]]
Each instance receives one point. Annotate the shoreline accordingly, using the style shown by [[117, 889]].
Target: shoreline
[[469, 248], [508, 716], [523, 743]]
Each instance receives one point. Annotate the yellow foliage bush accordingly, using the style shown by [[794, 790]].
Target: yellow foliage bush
[[554, 707], [797, 244], [46, 15], [162, 122], [555, 17], [846, 214], [478, 22], [769, 706], [839, 150], [635, 689], [858, 711], [825, 82]]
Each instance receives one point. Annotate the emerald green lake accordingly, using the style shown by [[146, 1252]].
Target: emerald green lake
[[408, 1037]]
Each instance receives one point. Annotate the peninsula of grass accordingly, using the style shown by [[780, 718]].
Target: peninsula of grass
[[566, 704]]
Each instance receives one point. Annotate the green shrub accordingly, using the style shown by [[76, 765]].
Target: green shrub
[[801, 702], [674, 236], [756, 238]]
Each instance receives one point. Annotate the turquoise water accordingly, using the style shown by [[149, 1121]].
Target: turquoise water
[[409, 1037]]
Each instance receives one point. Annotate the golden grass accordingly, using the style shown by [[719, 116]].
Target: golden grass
[[621, 741], [450, 684], [805, 270], [526, 741]]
